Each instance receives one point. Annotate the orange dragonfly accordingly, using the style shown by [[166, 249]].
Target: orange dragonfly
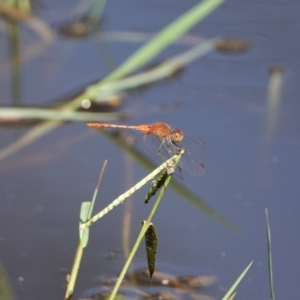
[[165, 141]]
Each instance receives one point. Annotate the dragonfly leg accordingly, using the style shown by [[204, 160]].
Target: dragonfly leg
[[158, 151]]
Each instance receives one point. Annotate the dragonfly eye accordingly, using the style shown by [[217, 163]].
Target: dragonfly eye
[[177, 135]]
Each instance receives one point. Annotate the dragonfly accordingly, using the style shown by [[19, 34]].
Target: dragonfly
[[165, 141]]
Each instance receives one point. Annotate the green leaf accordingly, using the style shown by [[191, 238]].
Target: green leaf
[[84, 217]]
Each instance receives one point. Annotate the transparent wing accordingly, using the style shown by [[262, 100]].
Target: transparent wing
[[164, 148], [158, 146], [191, 145], [191, 164]]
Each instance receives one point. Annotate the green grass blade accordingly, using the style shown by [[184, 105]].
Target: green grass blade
[[232, 296], [84, 217], [16, 114], [85, 214], [97, 189], [236, 283], [203, 206], [165, 37], [74, 272], [270, 263], [160, 72], [128, 193], [87, 209]]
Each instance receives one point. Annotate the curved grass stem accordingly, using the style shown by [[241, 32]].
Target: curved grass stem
[[128, 193], [145, 226]]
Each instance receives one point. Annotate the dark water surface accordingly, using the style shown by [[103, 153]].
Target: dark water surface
[[220, 99]]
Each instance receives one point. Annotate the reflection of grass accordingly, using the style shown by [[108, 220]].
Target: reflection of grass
[[273, 99], [5, 288]]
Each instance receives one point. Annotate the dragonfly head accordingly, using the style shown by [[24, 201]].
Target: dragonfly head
[[176, 136]]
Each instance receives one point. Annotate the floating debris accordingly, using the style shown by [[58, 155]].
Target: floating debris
[[232, 45]]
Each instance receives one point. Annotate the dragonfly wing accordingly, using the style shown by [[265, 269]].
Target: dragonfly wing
[[157, 146], [191, 145], [162, 148], [191, 164]]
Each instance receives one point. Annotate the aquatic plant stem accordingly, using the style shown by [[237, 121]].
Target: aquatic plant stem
[[85, 214], [270, 262], [74, 272], [141, 235], [128, 193]]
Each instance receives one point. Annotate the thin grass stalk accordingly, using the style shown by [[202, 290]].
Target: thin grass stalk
[[15, 63], [74, 272], [142, 37], [97, 188], [91, 9], [126, 225], [236, 283], [232, 296], [143, 231], [128, 193], [270, 261], [165, 37], [85, 214], [128, 261], [17, 114], [97, 11], [160, 72]]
